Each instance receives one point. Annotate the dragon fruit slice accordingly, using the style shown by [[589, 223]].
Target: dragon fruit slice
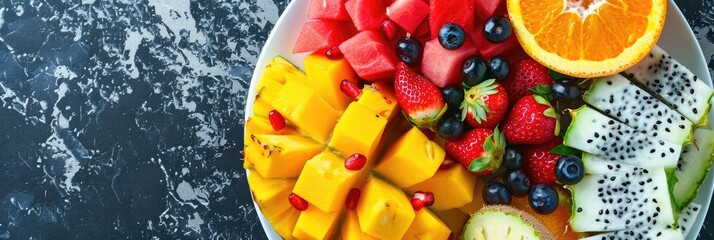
[[687, 217], [592, 132], [650, 232], [666, 77], [623, 100], [693, 166]]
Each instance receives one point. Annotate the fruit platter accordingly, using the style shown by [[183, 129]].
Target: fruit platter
[[480, 119]]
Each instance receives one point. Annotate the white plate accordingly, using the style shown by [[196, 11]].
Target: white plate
[[677, 39]]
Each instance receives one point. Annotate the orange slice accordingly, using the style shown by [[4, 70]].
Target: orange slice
[[587, 38]]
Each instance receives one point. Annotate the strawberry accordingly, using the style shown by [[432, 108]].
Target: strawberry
[[419, 98], [485, 104], [539, 162], [525, 75], [479, 150], [532, 121]]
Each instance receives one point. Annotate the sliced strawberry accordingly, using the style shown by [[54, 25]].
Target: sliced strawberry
[[419, 98], [485, 104], [532, 121], [479, 150]]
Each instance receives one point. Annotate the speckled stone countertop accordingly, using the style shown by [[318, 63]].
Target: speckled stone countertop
[[121, 119]]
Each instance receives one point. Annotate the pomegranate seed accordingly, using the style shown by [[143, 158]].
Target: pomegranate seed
[[297, 202], [350, 89], [355, 162], [352, 199], [276, 120], [389, 29], [334, 53], [446, 164], [422, 199], [429, 200]]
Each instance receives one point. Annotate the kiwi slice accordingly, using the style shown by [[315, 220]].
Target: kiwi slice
[[499, 222]]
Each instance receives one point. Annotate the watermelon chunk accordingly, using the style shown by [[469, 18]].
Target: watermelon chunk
[[370, 56], [511, 48], [443, 67], [327, 9], [487, 8], [408, 13], [367, 14], [320, 34], [442, 12]]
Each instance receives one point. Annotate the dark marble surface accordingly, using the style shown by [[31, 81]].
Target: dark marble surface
[[121, 119]]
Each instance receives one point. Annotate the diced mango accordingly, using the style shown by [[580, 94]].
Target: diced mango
[[281, 70], [454, 219], [383, 210], [265, 93], [304, 108], [285, 224], [477, 202], [358, 131], [351, 229], [452, 188], [281, 156], [316, 224], [325, 182], [413, 158], [271, 194], [325, 76], [426, 226], [257, 125], [379, 98]]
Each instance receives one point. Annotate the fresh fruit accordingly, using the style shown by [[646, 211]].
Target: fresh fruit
[[693, 166], [298, 203], [380, 98], [302, 106], [678, 86], [485, 104], [525, 75], [316, 224], [480, 150], [370, 56], [350, 89], [446, 11], [426, 225], [355, 162], [452, 188], [408, 14], [497, 29], [422, 199], [498, 67], [319, 34], [557, 33], [531, 121], [271, 194], [281, 156], [334, 53], [517, 183], [442, 66], [543, 199], [327, 9], [451, 36], [504, 222], [485, 9], [687, 217], [478, 201], [651, 232], [256, 126], [450, 127], [413, 158], [325, 76], [569, 170], [409, 51], [539, 162], [622, 100], [366, 14], [351, 229], [453, 95], [420, 100], [496, 193], [390, 30], [352, 199], [557, 221], [358, 131], [276, 120], [512, 158], [474, 71], [383, 210], [566, 90], [326, 175], [510, 48], [595, 133], [285, 223]]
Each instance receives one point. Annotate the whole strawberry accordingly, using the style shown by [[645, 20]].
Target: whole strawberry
[[419, 98], [485, 104], [532, 121], [479, 150], [525, 75], [539, 162]]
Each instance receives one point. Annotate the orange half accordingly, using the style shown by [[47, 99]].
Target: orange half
[[587, 38]]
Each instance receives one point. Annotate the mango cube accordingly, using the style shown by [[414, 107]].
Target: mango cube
[[325, 182], [264, 94], [454, 219], [257, 125], [358, 131], [413, 158], [325, 76], [452, 188], [477, 202], [383, 210], [316, 224], [285, 224], [379, 98], [281, 156], [304, 108], [351, 229], [271, 194], [427, 226]]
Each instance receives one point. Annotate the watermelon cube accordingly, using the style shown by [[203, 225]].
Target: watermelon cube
[[327, 9], [370, 56], [511, 48], [487, 8], [442, 66], [367, 14], [408, 13], [320, 34], [442, 12]]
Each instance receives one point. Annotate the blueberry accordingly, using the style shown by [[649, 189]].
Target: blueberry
[[496, 193], [543, 199], [496, 29], [451, 36], [453, 96], [569, 170], [517, 183], [474, 71], [566, 90], [498, 66], [409, 51], [449, 127], [512, 158]]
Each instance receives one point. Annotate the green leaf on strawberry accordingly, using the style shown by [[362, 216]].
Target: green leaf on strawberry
[[564, 150], [494, 146], [485, 104]]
